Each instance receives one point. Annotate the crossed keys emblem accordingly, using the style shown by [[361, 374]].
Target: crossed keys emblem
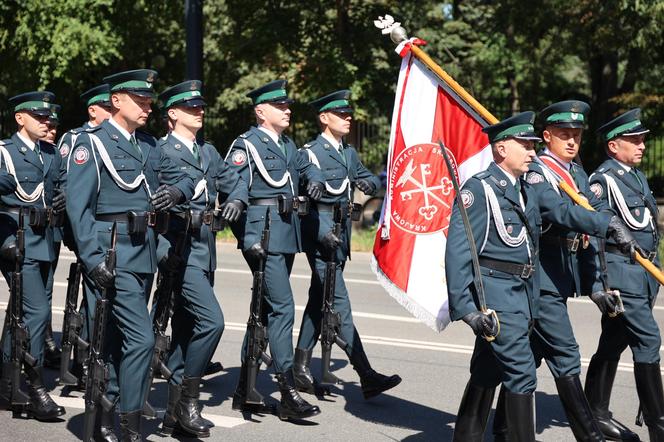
[[428, 210]]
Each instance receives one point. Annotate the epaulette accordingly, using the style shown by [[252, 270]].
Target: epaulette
[[163, 141], [6, 142], [481, 175], [245, 135], [92, 129]]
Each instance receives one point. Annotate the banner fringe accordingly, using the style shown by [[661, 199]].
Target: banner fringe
[[402, 298]]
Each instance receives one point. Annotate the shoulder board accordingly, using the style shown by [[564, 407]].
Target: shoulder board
[[307, 146], [481, 175], [245, 135], [163, 141], [6, 142], [91, 129]]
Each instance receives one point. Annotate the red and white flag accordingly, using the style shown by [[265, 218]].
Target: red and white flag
[[409, 250]]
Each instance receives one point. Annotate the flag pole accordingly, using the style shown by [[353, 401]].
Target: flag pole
[[398, 35]]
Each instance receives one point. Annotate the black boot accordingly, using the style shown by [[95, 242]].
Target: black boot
[[520, 416], [580, 417], [130, 426], [186, 411], [240, 402], [51, 350], [41, 406], [599, 382], [292, 405], [373, 383], [649, 387], [499, 420], [169, 422], [212, 368], [106, 426], [304, 380], [473, 413]]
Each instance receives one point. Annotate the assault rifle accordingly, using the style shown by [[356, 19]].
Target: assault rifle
[[257, 339], [97, 380], [331, 321], [20, 335], [169, 284], [72, 325]]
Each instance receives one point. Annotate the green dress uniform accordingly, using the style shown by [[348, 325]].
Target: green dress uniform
[[342, 170], [625, 192], [35, 168], [198, 322], [116, 173], [272, 170], [98, 95]]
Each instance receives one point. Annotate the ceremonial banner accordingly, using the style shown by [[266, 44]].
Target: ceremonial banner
[[409, 250]]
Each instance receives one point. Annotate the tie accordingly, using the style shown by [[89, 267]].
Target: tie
[[282, 146], [340, 151], [572, 171], [517, 186], [136, 146], [194, 150], [636, 177], [38, 151]]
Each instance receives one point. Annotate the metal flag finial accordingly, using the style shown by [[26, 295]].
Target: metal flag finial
[[387, 25]]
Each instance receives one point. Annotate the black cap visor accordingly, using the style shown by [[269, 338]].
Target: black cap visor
[[567, 124]]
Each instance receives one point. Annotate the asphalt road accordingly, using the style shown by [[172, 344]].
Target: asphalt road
[[434, 368]]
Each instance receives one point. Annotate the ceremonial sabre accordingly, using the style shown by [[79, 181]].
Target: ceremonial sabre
[[477, 275]]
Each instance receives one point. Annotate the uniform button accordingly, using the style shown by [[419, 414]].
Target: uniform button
[[490, 272]]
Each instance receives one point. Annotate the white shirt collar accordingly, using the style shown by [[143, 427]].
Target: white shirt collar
[[27, 141], [188, 143], [272, 134], [623, 165], [332, 141], [562, 162], [123, 131]]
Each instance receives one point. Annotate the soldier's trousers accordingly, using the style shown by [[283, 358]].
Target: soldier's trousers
[[36, 308], [552, 338], [278, 309], [129, 341], [311, 320], [51, 278], [635, 328], [197, 325], [508, 359]]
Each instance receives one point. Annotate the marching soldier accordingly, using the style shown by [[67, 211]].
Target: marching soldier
[[271, 165], [343, 171], [35, 167], [118, 170], [197, 322], [568, 265], [507, 238], [99, 110], [507, 259], [620, 187], [51, 349]]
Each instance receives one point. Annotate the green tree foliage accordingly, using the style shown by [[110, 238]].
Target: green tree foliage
[[511, 55]]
